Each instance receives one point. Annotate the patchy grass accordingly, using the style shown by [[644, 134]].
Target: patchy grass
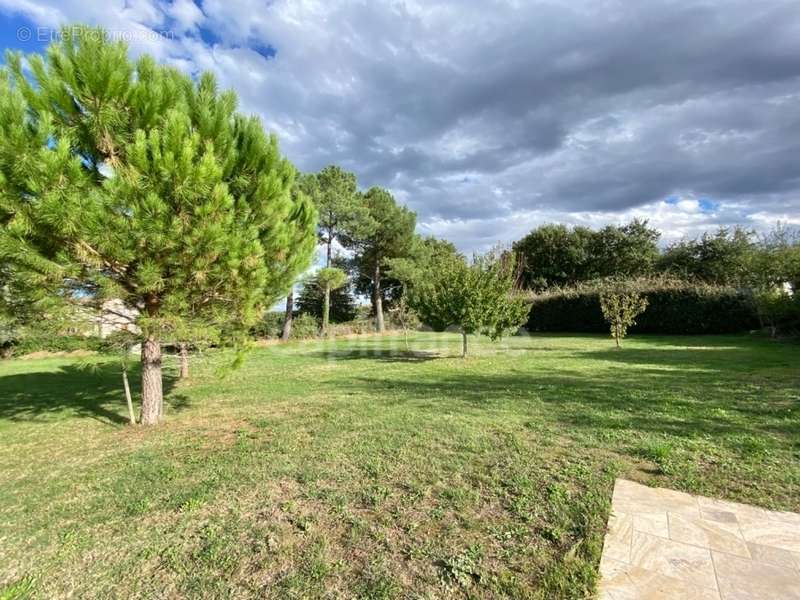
[[351, 469]]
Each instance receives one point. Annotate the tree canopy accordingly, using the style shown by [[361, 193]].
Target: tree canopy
[[556, 255]]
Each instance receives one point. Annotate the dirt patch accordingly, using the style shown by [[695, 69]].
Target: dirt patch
[[62, 354]]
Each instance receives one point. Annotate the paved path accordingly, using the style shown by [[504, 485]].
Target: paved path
[[663, 544]]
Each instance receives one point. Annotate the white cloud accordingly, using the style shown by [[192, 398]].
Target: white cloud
[[490, 117]]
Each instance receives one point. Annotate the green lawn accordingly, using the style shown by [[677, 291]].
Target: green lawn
[[353, 470]]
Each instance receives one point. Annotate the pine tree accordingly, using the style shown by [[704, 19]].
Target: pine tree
[[390, 235], [312, 300], [132, 181], [334, 192], [306, 245]]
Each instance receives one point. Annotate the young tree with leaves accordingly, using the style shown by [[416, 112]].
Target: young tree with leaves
[[480, 297], [311, 299], [145, 185], [620, 307]]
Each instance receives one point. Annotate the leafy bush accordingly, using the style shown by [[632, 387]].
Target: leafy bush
[[673, 307], [779, 310], [270, 326], [28, 343], [304, 327], [355, 327]]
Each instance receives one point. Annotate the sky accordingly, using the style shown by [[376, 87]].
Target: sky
[[490, 117]]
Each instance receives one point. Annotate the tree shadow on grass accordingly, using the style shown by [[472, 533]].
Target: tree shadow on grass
[[94, 392], [726, 390], [378, 354]]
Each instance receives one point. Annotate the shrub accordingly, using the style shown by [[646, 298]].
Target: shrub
[[354, 327], [673, 307], [270, 326], [27, 343], [304, 327]]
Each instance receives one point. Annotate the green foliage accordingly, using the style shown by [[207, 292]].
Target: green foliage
[[46, 342], [334, 192], [389, 236], [269, 326], [555, 255], [330, 278], [480, 297], [778, 309], [305, 326], [620, 308], [674, 307], [311, 299], [145, 185], [726, 257]]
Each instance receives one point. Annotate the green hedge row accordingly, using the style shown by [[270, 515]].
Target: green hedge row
[[51, 343], [673, 308]]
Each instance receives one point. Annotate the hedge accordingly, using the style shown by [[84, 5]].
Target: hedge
[[674, 307]]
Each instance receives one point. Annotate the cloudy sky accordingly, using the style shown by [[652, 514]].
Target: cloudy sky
[[488, 117]]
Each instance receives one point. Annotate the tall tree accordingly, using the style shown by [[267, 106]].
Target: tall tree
[[145, 185], [390, 235], [334, 192], [623, 251], [554, 255]]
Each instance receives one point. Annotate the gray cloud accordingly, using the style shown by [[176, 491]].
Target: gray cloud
[[490, 117]]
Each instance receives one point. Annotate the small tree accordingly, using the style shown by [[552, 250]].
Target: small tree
[[329, 278], [405, 316], [480, 297], [620, 308]]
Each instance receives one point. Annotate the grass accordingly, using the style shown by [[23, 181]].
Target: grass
[[351, 469]]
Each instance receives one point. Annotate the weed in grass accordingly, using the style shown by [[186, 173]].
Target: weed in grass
[[463, 569], [22, 589]]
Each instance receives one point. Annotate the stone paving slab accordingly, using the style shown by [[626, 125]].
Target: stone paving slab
[[662, 544]]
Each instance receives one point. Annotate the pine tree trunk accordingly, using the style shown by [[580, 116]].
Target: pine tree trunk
[[184, 353], [328, 257], [287, 319], [463, 344], [378, 299], [326, 309], [152, 392]]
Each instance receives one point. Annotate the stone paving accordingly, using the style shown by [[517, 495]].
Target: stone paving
[[664, 544]]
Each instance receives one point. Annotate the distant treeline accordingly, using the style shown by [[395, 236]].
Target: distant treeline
[[558, 255], [725, 281]]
